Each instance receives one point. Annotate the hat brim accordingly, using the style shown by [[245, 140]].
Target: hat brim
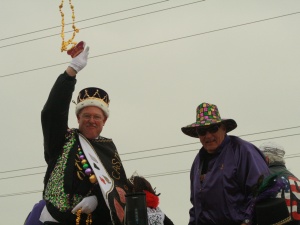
[[190, 130], [93, 102]]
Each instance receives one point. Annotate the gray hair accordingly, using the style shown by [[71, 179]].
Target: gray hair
[[274, 158], [273, 151]]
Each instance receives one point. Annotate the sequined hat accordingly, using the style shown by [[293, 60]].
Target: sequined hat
[[272, 148], [93, 96], [206, 115]]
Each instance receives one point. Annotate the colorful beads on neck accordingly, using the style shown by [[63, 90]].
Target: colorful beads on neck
[[86, 167]]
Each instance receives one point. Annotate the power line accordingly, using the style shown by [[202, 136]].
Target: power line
[[264, 139], [31, 174], [147, 176], [173, 146], [166, 154], [168, 173], [291, 157], [268, 131], [21, 193], [181, 152], [26, 175], [79, 21], [152, 156], [28, 168], [156, 43], [101, 24]]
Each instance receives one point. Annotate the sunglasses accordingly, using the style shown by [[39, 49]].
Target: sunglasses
[[211, 129]]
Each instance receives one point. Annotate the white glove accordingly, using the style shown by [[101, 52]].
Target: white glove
[[87, 205], [80, 61]]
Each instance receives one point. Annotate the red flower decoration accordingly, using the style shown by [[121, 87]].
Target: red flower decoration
[[152, 200]]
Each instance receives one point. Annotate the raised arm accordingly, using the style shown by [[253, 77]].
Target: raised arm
[[55, 113]]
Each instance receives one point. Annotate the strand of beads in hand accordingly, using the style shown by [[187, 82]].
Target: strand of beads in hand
[[65, 44], [88, 219]]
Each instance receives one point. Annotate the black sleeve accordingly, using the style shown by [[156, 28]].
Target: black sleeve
[[54, 116], [167, 221]]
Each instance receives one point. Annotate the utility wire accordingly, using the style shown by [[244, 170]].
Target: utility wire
[[268, 131], [156, 43], [173, 146], [28, 168], [152, 156], [101, 24], [79, 21], [181, 152], [26, 175], [21, 193], [166, 154], [31, 174], [147, 176], [264, 139]]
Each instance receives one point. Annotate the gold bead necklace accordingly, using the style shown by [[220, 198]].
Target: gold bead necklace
[[88, 221], [65, 44]]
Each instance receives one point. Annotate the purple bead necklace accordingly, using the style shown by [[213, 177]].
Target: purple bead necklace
[[86, 167]]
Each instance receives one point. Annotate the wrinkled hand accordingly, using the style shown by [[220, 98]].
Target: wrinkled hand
[[87, 205], [80, 61]]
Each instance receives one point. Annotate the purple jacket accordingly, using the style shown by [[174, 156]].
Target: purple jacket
[[224, 196]]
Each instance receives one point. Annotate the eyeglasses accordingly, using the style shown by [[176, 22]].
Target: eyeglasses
[[211, 129], [88, 117]]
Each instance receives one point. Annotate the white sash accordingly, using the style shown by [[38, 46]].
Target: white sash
[[105, 182]]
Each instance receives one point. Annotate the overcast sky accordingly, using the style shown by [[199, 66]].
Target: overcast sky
[[158, 63]]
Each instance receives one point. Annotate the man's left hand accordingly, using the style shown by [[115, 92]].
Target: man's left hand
[[87, 205]]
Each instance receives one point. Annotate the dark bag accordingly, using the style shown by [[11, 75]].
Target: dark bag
[[272, 211]]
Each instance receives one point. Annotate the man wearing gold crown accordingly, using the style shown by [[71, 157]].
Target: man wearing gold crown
[[223, 172], [85, 182]]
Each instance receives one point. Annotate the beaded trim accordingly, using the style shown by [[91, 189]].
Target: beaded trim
[[54, 191], [283, 221], [85, 166], [102, 139]]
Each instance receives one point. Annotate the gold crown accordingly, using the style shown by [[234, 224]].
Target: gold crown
[[96, 95]]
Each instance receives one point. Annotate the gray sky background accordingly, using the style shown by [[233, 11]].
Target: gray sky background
[[158, 63]]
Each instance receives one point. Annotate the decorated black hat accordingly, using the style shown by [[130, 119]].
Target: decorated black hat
[[207, 114], [272, 211], [93, 96]]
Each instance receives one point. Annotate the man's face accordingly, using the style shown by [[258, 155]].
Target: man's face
[[212, 140], [91, 120]]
